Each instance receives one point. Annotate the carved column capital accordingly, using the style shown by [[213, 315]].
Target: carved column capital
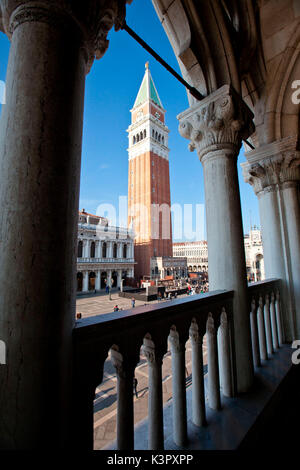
[[94, 18], [270, 165], [219, 121]]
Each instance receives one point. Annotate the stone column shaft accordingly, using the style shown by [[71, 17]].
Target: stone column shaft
[[213, 366], [85, 284], [198, 395], [40, 152], [215, 128], [155, 398], [179, 393]]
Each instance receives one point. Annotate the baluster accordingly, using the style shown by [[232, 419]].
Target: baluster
[[273, 322], [261, 330], [254, 334], [225, 356], [278, 318], [213, 367], [198, 396], [178, 386], [268, 324], [125, 419], [155, 397]]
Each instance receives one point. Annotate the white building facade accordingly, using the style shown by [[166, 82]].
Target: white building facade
[[105, 254], [195, 253], [254, 256], [164, 266]]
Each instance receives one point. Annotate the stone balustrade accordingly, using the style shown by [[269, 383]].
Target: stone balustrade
[[105, 260], [266, 319], [147, 331]]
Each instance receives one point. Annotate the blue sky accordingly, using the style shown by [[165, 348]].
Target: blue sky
[[111, 89]]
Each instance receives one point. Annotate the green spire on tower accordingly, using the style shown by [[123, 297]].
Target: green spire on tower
[[147, 90]]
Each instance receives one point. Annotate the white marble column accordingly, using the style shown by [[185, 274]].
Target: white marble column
[[261, 330], [40, 153], [215, 127], [198, 395], [268, 325], [98, 253], [178, 388], [291, 204], [214, 398], [273, 322], [254, 334], [274, 172], [86, 249], [125, 418], [119, 278], [155, 397], [98, 277], [85, 283], [224, 352]]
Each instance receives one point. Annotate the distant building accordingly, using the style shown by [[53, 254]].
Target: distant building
[[254, 255], [164, 267], [195, 253], [105, 254]]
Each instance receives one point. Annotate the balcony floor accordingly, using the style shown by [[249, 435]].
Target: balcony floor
[[242, 420]]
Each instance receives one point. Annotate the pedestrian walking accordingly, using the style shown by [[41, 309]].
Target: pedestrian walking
[[116, 308], [135, 383], [132, 302]]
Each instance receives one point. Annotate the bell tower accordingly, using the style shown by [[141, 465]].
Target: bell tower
[[149, 201]]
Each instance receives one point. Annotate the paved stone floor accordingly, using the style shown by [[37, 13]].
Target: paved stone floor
[[89, 305], [105, 404]]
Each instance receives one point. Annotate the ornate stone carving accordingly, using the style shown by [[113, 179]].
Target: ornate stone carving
[[93, 17], [273, 164], [220, 120]]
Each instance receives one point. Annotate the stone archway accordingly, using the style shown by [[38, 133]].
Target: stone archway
[[114, 276], [103, 279], [92, 280], [79, 282]]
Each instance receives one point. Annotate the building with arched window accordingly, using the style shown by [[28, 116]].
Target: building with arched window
[[105, 254]]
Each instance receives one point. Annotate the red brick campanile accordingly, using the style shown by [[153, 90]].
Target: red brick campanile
[[149, 199]]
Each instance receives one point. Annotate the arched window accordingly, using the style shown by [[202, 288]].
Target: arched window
[[145, 133], [92, 250], [163, 140], [104, 249], [115, 250], [158, 137], [155, 135], [141, 135], [124, 251], [137, 138], [133, 140], [79, 253]]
